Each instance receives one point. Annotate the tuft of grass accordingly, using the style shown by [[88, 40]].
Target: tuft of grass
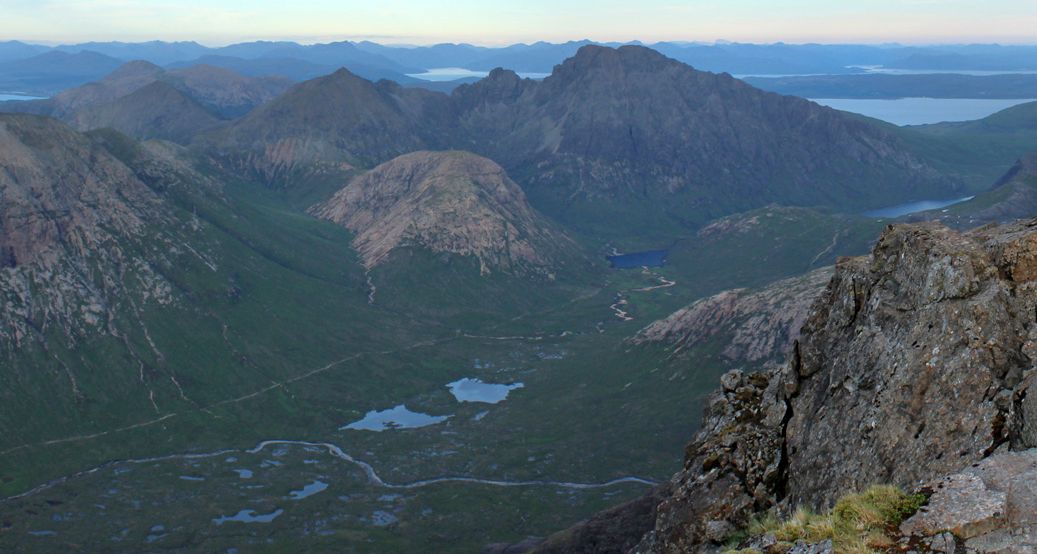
[[860, 523]]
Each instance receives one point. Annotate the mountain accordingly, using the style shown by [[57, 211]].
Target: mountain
[[630, 123], [871, 394], [66, 207], [338, 121], [53, 71], [978, 151], [296, 69], [156, 111], [145, 101], [226, 93], [17, 50], [447, 202], [155, 51], [612, 135]]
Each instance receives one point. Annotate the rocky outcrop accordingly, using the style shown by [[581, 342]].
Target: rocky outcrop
[[916, 362], [991, 506], [452, 202], [753, 326]]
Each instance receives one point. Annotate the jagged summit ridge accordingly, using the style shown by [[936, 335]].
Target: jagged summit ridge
[[454, 202]]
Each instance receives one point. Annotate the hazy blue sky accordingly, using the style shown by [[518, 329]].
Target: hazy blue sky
[[498, 21]]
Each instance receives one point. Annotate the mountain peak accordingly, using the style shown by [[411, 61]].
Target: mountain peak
[[448, 202], [134, 70]]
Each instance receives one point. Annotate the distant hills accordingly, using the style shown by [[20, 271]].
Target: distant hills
[[145, 101], [50, 67]]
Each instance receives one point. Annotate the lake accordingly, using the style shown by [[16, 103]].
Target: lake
[[398, 417], [648, 258], [919, 111], [913, 207], [474, 390], [455, 73], [6, 97]]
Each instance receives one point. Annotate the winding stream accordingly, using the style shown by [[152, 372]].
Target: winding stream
[[337, 452]]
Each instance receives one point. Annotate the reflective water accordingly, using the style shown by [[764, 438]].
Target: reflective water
[[398, 417], [474, 390], [308, 490], [454, 73], [920, 111]]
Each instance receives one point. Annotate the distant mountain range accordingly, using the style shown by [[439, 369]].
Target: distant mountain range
[[45, 69]]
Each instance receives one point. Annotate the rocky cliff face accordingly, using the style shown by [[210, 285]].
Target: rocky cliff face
[[452, 202], [916, 362], [73, 220]]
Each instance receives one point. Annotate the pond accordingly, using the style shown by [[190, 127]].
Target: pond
[[249, 516], [474, 390], [398, 417], [308, 490]]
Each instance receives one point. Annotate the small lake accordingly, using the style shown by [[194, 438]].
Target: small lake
[[648, 258], [249, 516], [398, 417], [913, 207], [920, 111], [6, 97], [308, 490], [474, 390], [455, 73]]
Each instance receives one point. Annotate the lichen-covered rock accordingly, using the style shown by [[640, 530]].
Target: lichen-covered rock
[[991, 506]]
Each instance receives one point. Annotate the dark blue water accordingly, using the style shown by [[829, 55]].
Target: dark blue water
[[648, 258]]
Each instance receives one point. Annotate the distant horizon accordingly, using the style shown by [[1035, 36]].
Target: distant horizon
[[356, 40], [501, 22]]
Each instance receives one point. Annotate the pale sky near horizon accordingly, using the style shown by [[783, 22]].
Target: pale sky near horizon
[[495, 22]]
